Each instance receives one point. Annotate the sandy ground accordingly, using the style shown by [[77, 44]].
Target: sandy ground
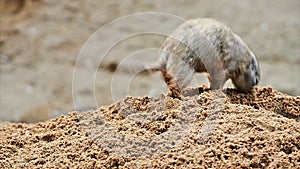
[[41, 40], [205, 129], [53, 60]]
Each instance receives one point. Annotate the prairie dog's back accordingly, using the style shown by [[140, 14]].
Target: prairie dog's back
[[195, 41]]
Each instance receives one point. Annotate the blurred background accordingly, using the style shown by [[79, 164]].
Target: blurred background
[[40, 41]]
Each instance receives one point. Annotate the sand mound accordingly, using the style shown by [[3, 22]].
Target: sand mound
[[204, 129]]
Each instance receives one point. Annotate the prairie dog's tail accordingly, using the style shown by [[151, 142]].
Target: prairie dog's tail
[[150, 70], [132, 67], [175, 91], [138, 68]]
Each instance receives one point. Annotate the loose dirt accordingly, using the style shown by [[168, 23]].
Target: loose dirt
[[205, 129]]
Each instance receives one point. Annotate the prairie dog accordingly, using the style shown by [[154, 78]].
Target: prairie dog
[[206, 45]]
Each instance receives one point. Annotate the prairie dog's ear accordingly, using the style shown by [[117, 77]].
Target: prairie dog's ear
[[230, 68], [242, 67]]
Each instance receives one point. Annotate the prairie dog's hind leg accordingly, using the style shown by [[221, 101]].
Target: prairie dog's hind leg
[[181, 72]]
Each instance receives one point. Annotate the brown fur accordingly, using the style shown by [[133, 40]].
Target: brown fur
[[206, 45]]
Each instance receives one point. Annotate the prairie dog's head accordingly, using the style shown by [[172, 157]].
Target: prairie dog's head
[[247, 74]]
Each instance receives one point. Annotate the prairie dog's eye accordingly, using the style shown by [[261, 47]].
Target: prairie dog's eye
[[255, 80]]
